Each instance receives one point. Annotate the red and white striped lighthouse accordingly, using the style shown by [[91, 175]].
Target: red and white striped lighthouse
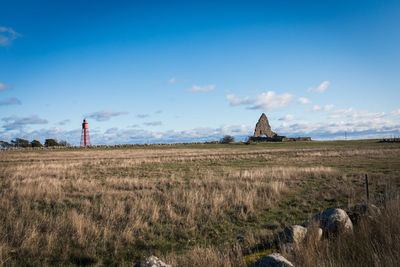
[[85, 139]]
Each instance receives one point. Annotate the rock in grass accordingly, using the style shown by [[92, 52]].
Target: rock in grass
[[272, 260], [315, 233], [152, 261], [293, 234], [336, 221], [368, 209], [332, 221]]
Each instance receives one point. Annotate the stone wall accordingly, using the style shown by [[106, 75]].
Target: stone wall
[[286, 139]]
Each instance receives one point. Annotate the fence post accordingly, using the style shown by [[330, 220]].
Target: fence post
[[366, 187]]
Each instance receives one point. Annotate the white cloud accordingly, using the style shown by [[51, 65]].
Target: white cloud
[[105, 115], [18, 123], [142, 116], [271, 100], [4, 87], [329, 107], [264, 101], [172, 80], [10, 101], [324, 108], [111, 131], [133, 136], [63, 122], [235, 101], [72, 136], [354, 114], [7, 35], [321, 88], [240, 132], [152, 123], [316, 108], [288, 117], [395, 112], [196, 88], [303, 100], [355, 128]]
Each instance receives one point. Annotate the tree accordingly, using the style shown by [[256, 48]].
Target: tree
[[5, 145], [51, 142], [19, 142], [36, 143], [64, 143], [227, 139]]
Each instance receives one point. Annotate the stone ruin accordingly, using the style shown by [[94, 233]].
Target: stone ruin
[[263, 128], [263, 133]]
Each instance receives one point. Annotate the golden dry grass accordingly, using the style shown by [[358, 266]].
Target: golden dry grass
[[105, 207]]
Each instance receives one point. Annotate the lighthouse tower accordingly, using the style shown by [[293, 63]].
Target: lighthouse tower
[[85, 139]]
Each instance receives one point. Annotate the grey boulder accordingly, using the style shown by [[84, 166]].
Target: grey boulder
[[294, 234], [332, 221], [152, 261], [272, 260]]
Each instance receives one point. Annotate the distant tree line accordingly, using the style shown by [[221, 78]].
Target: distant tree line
[[19, 142]]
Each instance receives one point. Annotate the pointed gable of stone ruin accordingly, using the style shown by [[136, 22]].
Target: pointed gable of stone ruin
[[263, 128]]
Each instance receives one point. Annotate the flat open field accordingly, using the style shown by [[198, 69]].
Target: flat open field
[[186, 204]]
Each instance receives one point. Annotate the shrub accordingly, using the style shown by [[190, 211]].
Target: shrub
[[227, 139], [64, 143], [19, 142], [4, 144], [36, 143], [51, 142]]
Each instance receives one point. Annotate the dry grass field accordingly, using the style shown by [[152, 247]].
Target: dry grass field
[[184, 204]]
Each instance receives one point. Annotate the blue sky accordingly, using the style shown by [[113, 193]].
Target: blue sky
[[171, 71]]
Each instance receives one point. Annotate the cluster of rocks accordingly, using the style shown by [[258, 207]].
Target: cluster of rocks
[[329, 223]]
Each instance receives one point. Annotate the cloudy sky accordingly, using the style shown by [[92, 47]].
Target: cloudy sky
[[182, 71]]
